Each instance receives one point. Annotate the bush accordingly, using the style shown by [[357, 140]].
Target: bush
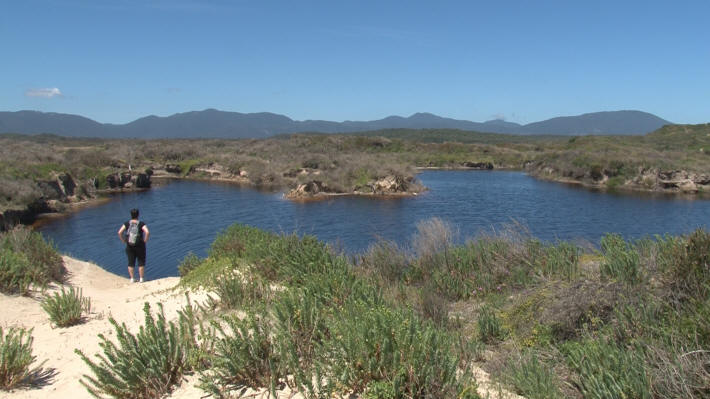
[[65, 309], [533, 378], [561, 260], [621, 260], [394, 353], [385, 260], [690, 273], [142, 366], [490, 329], [15, 357], [188, 264], [35, 261], [16, 273], [235, 290], [607, 370], [244, 357]]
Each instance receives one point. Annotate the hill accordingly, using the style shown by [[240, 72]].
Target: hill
[[211, 123]]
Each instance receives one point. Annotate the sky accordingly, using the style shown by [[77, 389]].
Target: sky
[[522, 61]]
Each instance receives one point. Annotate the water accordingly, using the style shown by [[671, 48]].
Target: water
[[185, 216]]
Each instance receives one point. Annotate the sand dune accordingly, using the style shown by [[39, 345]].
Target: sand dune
[[111, 296]]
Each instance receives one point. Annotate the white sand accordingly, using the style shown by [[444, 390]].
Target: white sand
[[111, 296]]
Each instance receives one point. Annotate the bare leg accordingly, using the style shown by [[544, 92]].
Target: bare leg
[[141, 269], [130, 272]]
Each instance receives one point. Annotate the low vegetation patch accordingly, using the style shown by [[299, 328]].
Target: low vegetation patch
[[65, 309], [15, 357], [26, 260], [146, 365]]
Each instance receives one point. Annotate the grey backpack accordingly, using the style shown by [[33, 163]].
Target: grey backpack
[[134, 233]]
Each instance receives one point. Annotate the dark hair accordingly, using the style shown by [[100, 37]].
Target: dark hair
[[134, 213]]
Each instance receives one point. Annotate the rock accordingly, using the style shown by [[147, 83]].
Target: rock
[[308, 189], [173, 168], [687, 186], [243, 173], [125, 178], [390, 184], [67, 184], [113, 181], [128, 185], [143, 180], [479, 165]]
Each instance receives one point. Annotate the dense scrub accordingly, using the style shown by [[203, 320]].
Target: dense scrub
[[630, 319]]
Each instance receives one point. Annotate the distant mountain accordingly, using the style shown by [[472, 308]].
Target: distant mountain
[[614, 122], [222, 124]]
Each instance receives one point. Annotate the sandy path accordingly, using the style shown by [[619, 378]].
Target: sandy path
[[111, 296]]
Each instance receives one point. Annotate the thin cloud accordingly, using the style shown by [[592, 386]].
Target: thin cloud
[[49, 92], [499, 117]]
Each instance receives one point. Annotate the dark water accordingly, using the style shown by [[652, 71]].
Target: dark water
[[185, 216]]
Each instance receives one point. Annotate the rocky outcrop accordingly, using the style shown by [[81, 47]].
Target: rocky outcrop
[[478, 165], [645, 179], [388, 185], [173, 168], [127, 180], [309, 189], [391, 185]]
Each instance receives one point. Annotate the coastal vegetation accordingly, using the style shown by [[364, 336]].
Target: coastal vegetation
[[42, 173], [544, 319], [66, 308], [26, 261], [16, 357]]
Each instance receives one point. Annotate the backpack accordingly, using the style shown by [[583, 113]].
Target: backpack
[[133, 233]]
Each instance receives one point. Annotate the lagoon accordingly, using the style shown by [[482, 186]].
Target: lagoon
[[185, 216]]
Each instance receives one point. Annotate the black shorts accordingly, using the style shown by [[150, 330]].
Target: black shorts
[[133, 253]]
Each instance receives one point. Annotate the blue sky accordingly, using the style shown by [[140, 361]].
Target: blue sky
[[524, 61]]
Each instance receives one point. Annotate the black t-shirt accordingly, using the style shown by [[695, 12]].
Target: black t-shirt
[[139, 241]]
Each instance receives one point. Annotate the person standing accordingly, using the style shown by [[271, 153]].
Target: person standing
[[134, 234]]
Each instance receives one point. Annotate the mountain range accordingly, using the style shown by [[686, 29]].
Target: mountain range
[[213, 123]]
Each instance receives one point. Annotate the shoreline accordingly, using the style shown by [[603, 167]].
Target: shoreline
[[38, 219]]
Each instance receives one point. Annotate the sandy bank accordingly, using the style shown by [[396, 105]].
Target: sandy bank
[[111, 296]]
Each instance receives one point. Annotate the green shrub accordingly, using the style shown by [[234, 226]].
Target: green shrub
[[142, 366], [236, 291], [26, 258], [690, 273], [394, 353], [621, 260], [490, 329], [244, 357], [615, 182], [533, 378], [65, 309], [38, 251], [607, 370], [15, 357], [16, 272], [560, 260], [300, 326], [385, 260], [188, 264]]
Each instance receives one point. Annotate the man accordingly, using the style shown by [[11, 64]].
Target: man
[[134, 234]]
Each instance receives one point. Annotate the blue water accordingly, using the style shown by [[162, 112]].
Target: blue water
[[185, 216]]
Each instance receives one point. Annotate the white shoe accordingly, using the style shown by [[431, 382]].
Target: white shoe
[[141, 280], [132, 280]]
